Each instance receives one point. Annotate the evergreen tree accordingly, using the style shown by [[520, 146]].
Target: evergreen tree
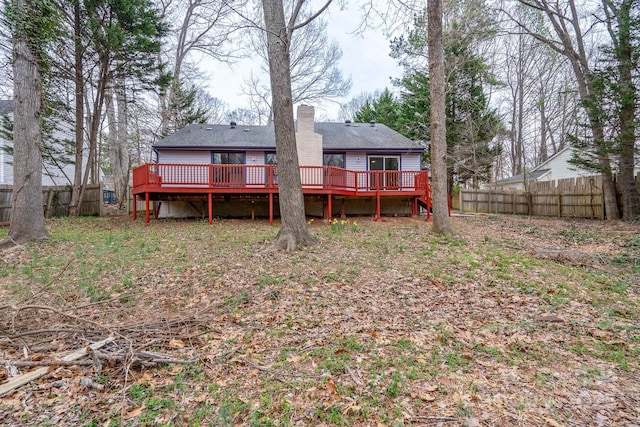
[[116, 44], [471, 124], [384, 109], [614, 101], [185, 108]]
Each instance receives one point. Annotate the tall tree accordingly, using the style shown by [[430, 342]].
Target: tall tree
[[315, 73], [117, 42], [293, 230], [384, 109], [567, 25], [441, 221], [471, 124], [351, 108], [197, 27], [623, 25], [32, 24]]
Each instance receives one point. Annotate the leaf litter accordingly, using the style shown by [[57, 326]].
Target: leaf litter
[[513, 321]]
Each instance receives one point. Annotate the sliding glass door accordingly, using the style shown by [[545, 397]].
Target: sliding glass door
[[385, 172]]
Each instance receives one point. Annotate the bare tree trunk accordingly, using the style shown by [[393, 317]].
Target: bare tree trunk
[[27, 214], [622, 40], [120, 160], [520, 152], [74, 204], [293, 230], [544, 151], [441, 221], [571, 45]]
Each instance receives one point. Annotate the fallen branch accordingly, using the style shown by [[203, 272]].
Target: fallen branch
[[20, 380], [62, 313], [434, 418], [43, 331], [36, 363]]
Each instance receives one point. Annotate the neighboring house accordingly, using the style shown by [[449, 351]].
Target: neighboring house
[[6, 166], [553, 169], [231, 170], [57, 168]]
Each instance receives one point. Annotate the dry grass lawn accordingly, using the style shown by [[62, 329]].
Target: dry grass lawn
[[514, 321]]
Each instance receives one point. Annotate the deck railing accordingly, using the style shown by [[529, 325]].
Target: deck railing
[[166, 175]]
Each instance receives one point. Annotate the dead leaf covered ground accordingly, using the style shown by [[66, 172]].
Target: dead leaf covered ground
[[513, 321]]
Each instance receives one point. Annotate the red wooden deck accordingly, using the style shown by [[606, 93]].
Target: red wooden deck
[[157, 181]]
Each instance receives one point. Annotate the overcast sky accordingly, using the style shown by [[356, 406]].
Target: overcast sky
[[365, 58]]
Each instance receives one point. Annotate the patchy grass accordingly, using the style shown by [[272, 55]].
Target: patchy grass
[[511, 322]]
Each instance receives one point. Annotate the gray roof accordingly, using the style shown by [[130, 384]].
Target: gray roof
[[531, 176], [6, 106], [335, 137]]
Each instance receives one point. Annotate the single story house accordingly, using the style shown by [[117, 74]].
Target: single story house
[[231, 170], [555, 168]]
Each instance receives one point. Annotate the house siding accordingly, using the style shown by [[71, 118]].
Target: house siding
[[185, 157], [6, 169], [53, 174], [355, 161], [256, 158], [560, 168], [410, 162]]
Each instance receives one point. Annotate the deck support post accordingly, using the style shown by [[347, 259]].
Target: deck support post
[[428, 218], [378, 219], [270, 208], [414, 207], [210, 200], [146, 208], [342, 209], [329, 207], [135, 206]]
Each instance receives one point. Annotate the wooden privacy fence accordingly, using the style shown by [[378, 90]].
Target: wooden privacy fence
[[571, 197], [56, 201]]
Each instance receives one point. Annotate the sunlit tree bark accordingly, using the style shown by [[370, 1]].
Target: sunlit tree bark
[[441, 221], [27, 213], [293, 230]]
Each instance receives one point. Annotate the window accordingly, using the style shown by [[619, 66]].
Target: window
[[271, 175], [228, 159], [270, 159], [225, 173], [335, 160], [385, 172]]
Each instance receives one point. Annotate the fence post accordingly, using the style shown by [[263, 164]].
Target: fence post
[[461, 198], [559, 205], [47, 209], [100, 198]]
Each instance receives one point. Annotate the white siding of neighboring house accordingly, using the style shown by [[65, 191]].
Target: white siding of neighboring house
[[53, 174], [560, 168], [6, 169]]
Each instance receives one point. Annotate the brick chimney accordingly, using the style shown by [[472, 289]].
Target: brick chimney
[[308, 142]]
